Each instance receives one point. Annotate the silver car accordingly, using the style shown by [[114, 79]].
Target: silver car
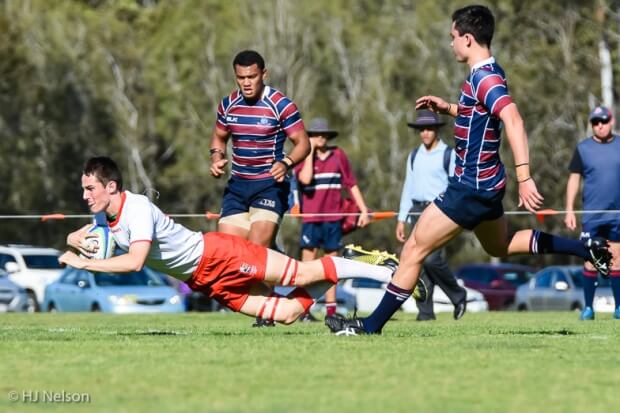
[[143, 291], [13, 298], [560, 288]]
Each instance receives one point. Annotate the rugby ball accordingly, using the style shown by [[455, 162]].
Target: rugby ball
[[103, 239]]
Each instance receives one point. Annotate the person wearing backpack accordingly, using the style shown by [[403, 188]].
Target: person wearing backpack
[[428, 168]]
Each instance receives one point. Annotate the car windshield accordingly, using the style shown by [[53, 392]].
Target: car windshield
[[517, 277], [140, 278], [42, 262]]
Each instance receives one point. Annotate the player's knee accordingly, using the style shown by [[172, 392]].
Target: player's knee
[[413, 252], [292, 314]]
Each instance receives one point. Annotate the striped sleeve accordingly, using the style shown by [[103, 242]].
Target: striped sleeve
[[290, 117], [220, 122], [492, 91]]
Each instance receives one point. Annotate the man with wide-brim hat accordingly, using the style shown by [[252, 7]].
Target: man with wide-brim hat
[[428, 168], [321, 178], [426, 119], [320, 127]]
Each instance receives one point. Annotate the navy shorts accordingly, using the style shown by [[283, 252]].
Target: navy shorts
[[241, 194], [326, 235], [610, 230], [469, 207]]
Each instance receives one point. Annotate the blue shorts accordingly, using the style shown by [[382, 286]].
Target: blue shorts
[[241, 194], [326, 235], [468, 207], [610, 230]]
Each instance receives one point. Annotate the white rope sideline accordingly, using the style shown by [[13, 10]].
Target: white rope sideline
[[543, 212]]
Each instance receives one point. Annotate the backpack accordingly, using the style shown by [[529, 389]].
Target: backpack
[[446, 158]]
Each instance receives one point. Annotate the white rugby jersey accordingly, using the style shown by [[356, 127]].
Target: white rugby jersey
[[175, 250]]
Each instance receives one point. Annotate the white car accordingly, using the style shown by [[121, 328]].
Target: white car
[[368, 294], [13, 298], [32, 268]]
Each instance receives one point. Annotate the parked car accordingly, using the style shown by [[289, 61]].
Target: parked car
[[194, 300], [32, 268], [368, 293], [497, 282], [13, 298], [143, 291], [560, 288]]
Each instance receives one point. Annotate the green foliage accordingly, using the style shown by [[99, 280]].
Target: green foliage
[[140, 81]]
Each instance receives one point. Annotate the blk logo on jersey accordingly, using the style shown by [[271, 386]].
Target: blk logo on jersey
[[231, 119], [248, 269]]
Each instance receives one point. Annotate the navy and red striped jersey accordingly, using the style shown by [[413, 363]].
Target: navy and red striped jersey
[[259, 130], [477, 128]]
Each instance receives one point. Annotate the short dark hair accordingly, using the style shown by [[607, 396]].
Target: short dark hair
[[249, 58], [104, 169], [477, 21]]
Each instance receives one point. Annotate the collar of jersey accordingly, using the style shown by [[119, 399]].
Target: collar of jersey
[[120, 211], [481, 63]]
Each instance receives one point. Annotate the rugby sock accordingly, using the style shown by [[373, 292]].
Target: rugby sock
[[304, 298], [614, 278], [344, 268], [318, 289], [330, 308], [589, 287], [393, 298], [543, 243]]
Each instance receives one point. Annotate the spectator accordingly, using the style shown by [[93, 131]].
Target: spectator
[[597, 159], [321, 177], [428, 167]]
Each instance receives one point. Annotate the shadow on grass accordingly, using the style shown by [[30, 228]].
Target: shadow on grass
[[561, 332]]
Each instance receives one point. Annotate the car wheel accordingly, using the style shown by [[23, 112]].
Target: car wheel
[[95, 308], [32, 305], [522, 307], [52, 308], [576, 307]]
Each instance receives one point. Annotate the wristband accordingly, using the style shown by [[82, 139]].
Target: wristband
[[449, 108], [525, 180], [287, 166], [213, 151], [523, 173], [290, 159]]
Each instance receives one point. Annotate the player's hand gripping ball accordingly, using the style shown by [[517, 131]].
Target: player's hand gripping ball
[[102, 245]]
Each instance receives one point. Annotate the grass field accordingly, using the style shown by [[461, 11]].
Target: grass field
[[494, 362]]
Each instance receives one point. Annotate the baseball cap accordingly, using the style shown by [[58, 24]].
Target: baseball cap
[[600, 113]]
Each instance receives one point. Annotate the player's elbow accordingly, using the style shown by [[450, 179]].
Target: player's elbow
[[136, 265]]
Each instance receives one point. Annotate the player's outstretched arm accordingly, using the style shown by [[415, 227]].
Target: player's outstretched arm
[[529, 197], [132, 261], [437, 104]]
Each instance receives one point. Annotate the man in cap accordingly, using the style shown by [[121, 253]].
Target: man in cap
[[597, 159], [428, 167], [321, 177]]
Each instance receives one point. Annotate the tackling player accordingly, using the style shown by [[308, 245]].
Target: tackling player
[[473, 199]]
